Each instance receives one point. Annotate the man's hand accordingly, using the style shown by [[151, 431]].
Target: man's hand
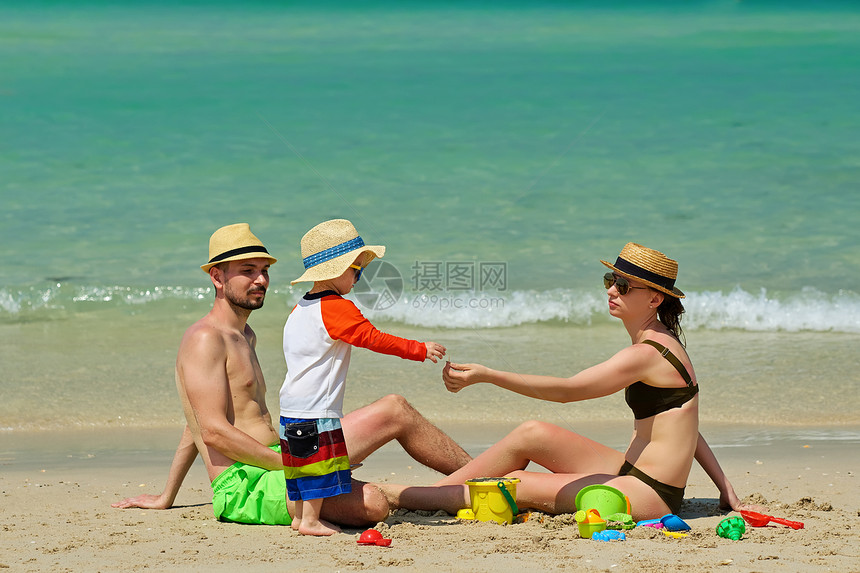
[[143, 501]]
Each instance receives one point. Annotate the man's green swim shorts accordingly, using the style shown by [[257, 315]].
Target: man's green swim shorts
[[248, 494]]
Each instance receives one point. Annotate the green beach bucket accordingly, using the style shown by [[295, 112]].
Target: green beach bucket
[[605, 499]]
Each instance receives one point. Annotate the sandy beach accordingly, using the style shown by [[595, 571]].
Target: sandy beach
[[56, 515], [500, 151]]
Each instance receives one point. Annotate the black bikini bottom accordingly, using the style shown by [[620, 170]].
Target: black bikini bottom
[[673, 496]]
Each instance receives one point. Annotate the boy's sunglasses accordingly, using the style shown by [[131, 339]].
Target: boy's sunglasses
[[622, 285], [360, 270]]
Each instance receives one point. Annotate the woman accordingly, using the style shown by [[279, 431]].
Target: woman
[[660, 387]]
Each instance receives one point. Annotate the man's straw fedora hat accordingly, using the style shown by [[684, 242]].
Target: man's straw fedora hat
[[329, 248], [648, 266], [235, 243]]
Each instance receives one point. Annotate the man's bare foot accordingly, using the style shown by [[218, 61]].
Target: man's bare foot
[[318, 528], [294, 525]]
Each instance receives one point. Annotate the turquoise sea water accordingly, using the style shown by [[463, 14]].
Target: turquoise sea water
[[533, 139]]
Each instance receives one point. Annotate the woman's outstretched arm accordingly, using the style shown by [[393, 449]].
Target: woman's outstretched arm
[[624, 368]]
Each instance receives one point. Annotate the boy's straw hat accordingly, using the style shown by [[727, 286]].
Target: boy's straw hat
[[234, 243], [329, 248], [648, 266]]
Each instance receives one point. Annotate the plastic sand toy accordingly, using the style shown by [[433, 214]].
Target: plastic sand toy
[[756, 519], [526, 516], [670, 521], [373, 537], [620, 521], [589, 522], [605, 499], [674, 534], [609, 535], [731, 528], [493, 499]]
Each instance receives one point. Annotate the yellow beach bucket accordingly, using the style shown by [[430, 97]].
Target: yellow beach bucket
[[493, 499]]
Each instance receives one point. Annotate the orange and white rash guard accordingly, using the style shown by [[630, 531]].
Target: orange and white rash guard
[[318, 339]]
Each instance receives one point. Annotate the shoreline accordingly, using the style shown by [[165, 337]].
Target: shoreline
[[57, 498], [26, 446], [100, 449]]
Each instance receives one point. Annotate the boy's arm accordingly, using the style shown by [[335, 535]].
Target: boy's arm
[[344, 321], [183, 459]]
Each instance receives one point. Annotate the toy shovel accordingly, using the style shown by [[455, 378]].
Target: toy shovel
[[756, 519]]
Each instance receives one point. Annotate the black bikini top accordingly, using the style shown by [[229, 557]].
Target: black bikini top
[[647, 401]]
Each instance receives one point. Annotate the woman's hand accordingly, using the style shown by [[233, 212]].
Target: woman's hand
[[729, 502], [458, 376]]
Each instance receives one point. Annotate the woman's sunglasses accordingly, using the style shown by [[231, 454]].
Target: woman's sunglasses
[[622, 285], [361, 269]]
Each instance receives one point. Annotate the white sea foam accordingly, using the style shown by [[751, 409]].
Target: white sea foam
[[47, 303], [807, 310]]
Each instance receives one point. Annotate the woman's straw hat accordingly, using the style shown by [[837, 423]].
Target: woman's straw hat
[[234, 243], [648, 266], [329, 248]]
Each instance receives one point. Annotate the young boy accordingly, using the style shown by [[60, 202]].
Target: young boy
[[318, 338]]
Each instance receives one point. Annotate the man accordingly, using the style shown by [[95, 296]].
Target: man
[[222, 390]]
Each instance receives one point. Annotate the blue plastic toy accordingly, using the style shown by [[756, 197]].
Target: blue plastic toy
[[609, 535], [670, 521], [674, 523]]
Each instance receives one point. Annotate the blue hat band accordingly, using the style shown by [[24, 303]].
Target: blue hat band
[[332, 252]]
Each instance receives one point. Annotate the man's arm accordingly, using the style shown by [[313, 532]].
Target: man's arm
[[183, 459]]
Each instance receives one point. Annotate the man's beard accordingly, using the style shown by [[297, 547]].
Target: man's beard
[[246, 301]]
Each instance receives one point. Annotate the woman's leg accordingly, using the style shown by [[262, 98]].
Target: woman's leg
[[575, 460], [450, 498], [547, 445], [556, 493], [554, 448], [547, 492]]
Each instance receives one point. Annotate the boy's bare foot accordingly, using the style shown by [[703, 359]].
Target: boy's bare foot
[[318, 528]]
